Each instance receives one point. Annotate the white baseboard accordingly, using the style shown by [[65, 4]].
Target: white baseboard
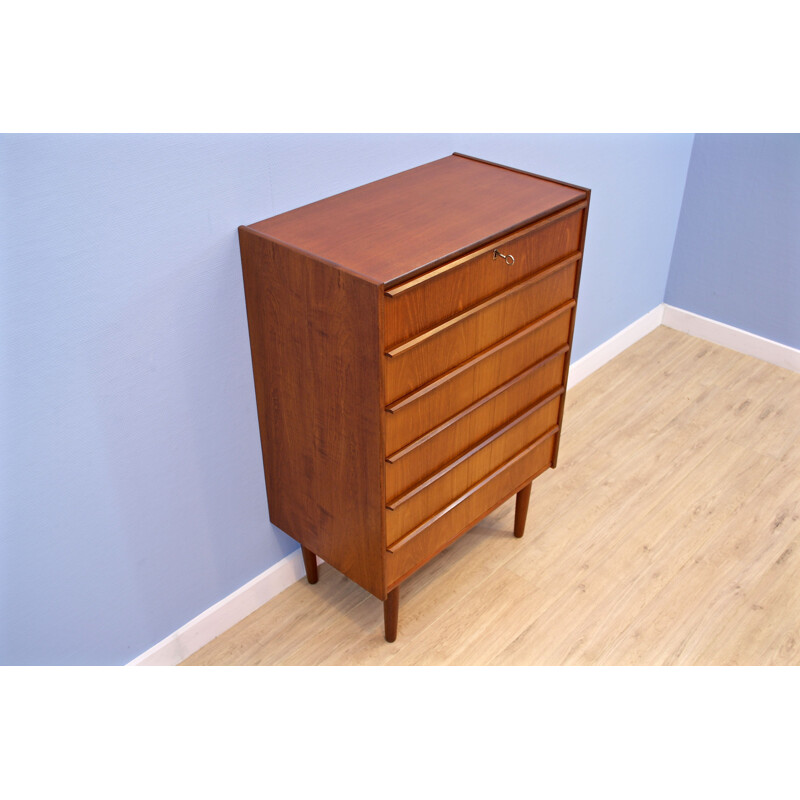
[[224, 614], [236, 606], [734, 338], [603, 353]]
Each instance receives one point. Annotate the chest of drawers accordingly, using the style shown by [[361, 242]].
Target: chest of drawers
[[410, 342]]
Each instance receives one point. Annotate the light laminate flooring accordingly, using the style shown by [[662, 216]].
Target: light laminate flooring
[[669, 534]]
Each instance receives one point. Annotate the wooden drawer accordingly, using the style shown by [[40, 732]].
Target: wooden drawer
[[426, 301], [416, 414], [433, 535], [428, 498], [431, 452], [420, 360]]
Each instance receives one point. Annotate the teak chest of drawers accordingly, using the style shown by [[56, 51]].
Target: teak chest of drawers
[[410, 342]]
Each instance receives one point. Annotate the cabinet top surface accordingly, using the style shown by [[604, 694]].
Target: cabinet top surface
[[401, 225]]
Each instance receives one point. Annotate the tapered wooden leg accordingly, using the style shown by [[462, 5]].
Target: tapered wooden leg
[[391, 609], [310, 560], [521, 513]]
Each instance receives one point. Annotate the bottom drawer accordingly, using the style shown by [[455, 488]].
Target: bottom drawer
[[419, 546]]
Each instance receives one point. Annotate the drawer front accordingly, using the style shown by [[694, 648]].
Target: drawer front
[[434, 353], [413, 550], [418, 414], [429, 498], [427, 455], [424, 302]]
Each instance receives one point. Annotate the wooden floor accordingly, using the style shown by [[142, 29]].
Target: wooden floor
[[668, 534]]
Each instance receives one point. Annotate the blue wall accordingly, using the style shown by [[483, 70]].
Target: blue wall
[[737, 249], [131, 486]]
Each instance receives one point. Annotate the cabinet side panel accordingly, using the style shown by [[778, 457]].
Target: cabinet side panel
[[572, 327], [314, 339]]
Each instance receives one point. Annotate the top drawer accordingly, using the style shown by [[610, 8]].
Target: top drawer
[[427, 300]]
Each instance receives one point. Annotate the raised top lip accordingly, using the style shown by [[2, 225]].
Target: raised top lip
[[394, 228]]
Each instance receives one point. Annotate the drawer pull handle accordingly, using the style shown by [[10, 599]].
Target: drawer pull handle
[[509, 259]]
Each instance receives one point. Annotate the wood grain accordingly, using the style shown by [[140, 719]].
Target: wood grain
[[431, 453], [432, 535], [452, 480], [578, 268], [315, 345], [388, 230], [669, 534], [439, 400], [444, 348], [439, 295], [380, 451]]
